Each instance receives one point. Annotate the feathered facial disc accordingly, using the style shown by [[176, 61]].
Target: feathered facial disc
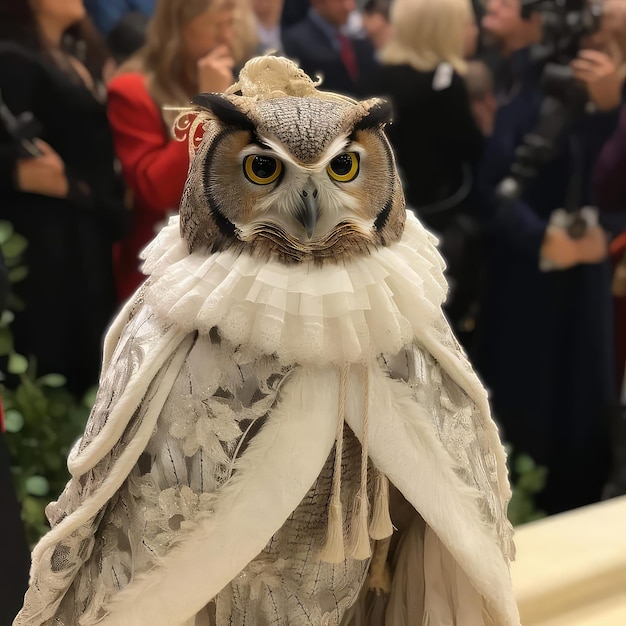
[[293, 178]]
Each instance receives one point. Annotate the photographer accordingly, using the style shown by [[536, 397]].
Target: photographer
[[545, 343]]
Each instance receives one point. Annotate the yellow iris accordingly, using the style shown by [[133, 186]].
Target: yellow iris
[[344, 167], [261, 169]]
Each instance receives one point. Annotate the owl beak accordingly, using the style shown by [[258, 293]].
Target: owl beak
[[309, 208]]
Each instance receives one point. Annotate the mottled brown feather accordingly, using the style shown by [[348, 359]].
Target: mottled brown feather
[[218, 203]]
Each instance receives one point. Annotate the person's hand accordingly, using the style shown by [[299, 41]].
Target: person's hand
[[593, 247], [44, 174], [598, 71], [564, 252], [215, 70], [559, 248]]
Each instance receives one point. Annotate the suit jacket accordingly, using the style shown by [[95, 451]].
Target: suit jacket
[[107, 14], [293, 12], [312, 49]]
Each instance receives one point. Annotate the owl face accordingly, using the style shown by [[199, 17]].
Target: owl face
[[293, 178]]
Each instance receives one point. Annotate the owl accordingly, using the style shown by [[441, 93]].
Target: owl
[[284, 418]]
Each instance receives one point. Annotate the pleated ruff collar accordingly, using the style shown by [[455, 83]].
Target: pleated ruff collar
[[339, 313]]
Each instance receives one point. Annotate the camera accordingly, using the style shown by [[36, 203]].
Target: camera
[[564, 24]]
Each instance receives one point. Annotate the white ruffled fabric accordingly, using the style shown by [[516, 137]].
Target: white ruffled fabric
[[339, 313]]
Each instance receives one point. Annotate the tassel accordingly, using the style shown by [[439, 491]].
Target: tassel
[[360, 547], [381, 526], [333, 550]]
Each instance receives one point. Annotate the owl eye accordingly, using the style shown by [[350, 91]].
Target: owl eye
[[262, 170], [344, 167]]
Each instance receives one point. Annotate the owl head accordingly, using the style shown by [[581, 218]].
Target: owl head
[[286, 171]]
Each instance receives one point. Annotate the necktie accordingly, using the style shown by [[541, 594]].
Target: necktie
[[348, 57]]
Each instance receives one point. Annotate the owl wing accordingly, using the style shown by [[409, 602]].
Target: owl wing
[[430, 432], [175, 487], [265, 483], [136, 378], [443, 381]]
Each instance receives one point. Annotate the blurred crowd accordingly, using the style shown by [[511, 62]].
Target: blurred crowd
[[90, 169]]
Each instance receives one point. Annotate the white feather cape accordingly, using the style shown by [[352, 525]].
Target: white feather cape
[[315, 318]]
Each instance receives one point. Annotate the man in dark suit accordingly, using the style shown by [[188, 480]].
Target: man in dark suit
[[293, 12], [321, 48]]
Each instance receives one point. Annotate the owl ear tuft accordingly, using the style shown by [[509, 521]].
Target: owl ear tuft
[[378, 113], [224, 110]]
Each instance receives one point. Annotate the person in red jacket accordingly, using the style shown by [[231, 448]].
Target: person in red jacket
[[188, 50]]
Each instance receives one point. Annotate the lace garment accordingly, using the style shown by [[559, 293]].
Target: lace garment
[[194, 377]]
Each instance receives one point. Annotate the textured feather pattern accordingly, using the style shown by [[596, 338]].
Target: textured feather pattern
[[269, 589], [404, 445], [304, 314], [60, 554], [270, 480]]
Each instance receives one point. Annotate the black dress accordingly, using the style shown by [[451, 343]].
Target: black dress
[[69, 293], [437, 146], [433, 131]]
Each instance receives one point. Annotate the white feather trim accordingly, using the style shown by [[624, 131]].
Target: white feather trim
[[114, 332], [271, 479], [161, 385], [123, 411], [404, 446], [457, 366], [302, 313]]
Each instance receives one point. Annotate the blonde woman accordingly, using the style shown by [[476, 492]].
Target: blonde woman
[[192, 46], [433, 132]]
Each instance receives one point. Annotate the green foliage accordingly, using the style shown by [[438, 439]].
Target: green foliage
[[529, 480], [43, 419], [43, 422]]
